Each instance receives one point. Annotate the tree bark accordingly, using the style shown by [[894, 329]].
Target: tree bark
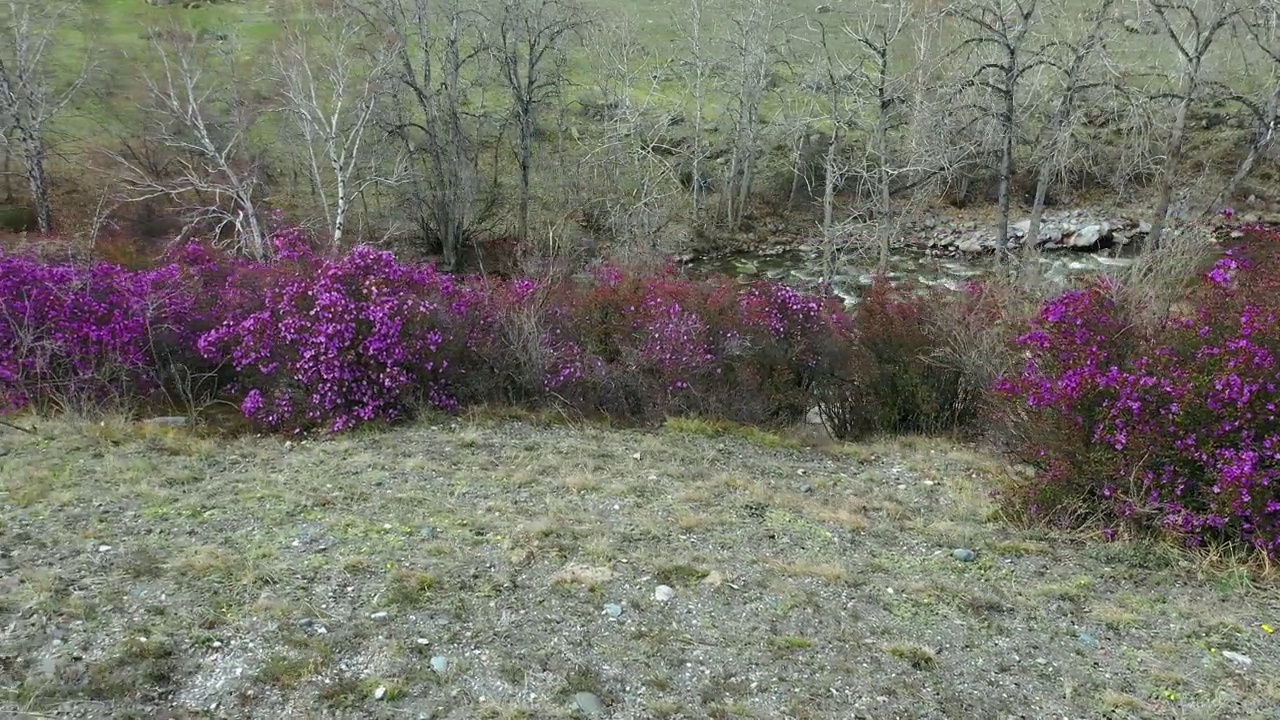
[[1173, 156], [38, 183]]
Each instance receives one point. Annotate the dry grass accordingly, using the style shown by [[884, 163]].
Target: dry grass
[[147, 571]]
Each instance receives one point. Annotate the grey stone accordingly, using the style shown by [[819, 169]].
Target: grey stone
[[1089, 235], [964, 555], [588, 703], [439, 663], [613, 610], [663, 593]]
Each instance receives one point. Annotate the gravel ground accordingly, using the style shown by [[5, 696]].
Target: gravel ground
[[516, 568]]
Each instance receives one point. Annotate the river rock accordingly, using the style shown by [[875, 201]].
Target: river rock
[[1089, 236]]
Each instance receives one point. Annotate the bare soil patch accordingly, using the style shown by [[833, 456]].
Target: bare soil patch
[[154, 572]]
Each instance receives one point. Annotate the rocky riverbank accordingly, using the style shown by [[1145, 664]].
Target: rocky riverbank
[[947, 248]]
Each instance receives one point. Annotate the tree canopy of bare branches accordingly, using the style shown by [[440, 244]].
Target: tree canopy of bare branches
[[30, 94], [197, 110], [331, 94]]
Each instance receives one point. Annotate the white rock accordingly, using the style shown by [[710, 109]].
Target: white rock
[[1089, 235], [663, 593], [1238, 658]]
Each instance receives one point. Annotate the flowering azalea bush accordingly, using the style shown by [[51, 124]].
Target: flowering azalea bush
[[71, 335], [344, 341], [312, 341], [1173, 428], [646, 346]]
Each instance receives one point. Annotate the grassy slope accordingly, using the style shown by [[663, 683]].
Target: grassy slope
[[150, 571]]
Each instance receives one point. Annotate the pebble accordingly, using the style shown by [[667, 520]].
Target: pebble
[[964, 555], [1238, 658], [439, 663], [380, 616], [1087, 639], [104, 548], [589, 704], [612, 609], [380, 693], [306, 622], [422, 641], [663, 593]]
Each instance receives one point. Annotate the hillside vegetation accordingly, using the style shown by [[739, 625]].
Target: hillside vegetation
[[512, 130]]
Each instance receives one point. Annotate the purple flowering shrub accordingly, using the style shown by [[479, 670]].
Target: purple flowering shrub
[[340, 342], [647, 346], [82, 335], [313, 342], [1172, 429]]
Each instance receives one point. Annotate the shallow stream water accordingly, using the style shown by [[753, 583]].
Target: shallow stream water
[[909, 267]]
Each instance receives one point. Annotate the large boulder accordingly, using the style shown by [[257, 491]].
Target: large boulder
[[1090, 236]]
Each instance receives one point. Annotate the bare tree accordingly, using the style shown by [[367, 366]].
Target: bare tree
[[1262, 23], [332, 94], [754, 56], [630, 171], [856, 94], [1076, 79], [529, 46], [698, 61], [878, 38], [1000, 36], [1191, 26], [30, 95], [197, 110], [439, 53]]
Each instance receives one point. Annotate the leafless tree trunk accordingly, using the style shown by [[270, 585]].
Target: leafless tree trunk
[[628, 172], [1075, 81], [438, 56], [332, 95], [197, 111], [6, 147], [878, 38], [1000, 31], [1263, 26], [698, 58], [29, 99], [529, 48], [1192, 26], [754, 57]]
